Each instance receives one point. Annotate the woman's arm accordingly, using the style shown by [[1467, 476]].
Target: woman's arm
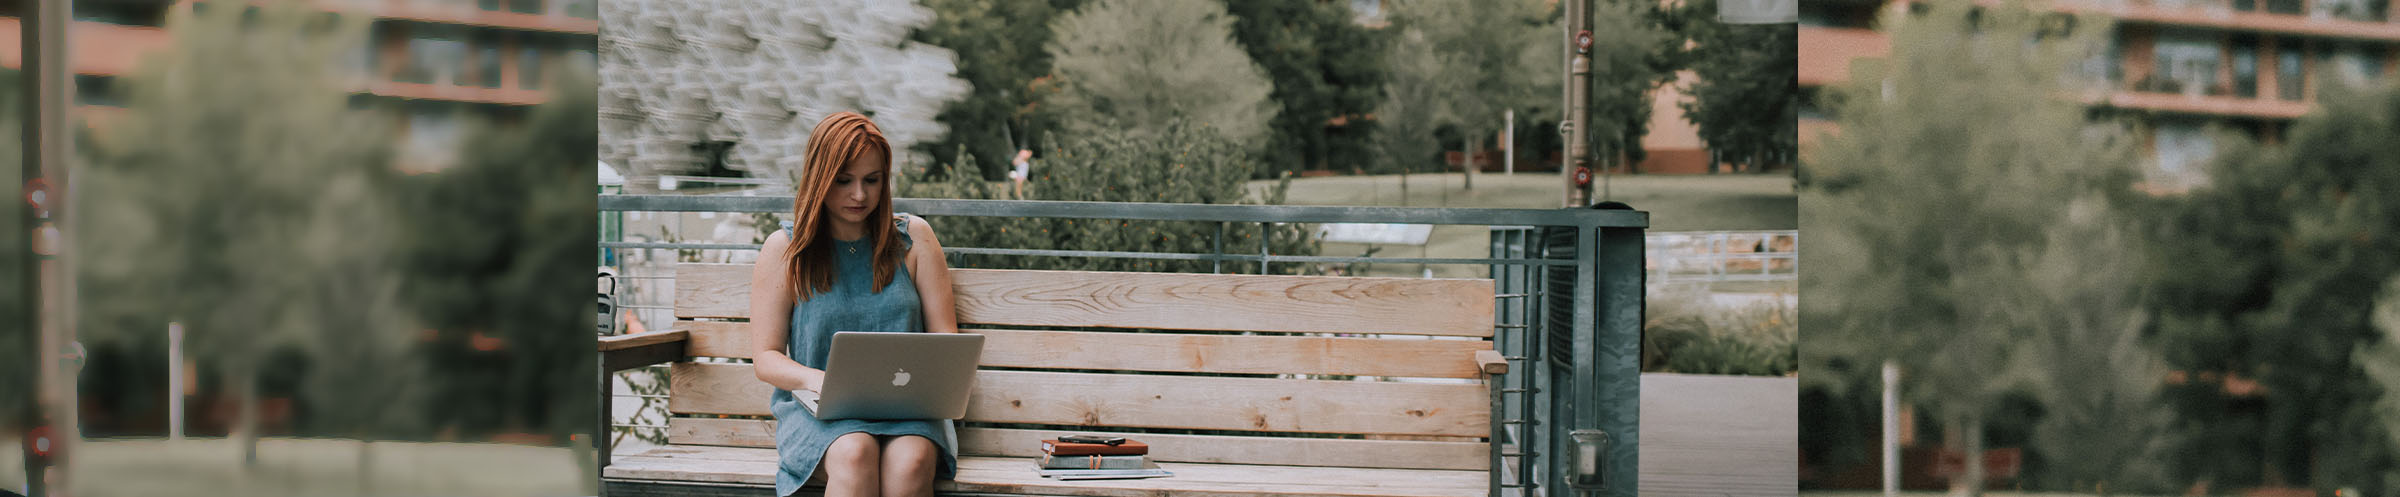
[[771, 319], [932, 273]]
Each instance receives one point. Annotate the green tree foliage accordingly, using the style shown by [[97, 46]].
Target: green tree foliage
[[2382, 363], [1494, 56], [1627, 63], [490, 241], [1324, 67], [2103, 426], [17, 349], [1145, 66], [999, 46], [239, 194], [1930, 283], [1182, 165], [1745, 99], [1412, 108], [2296, 240]]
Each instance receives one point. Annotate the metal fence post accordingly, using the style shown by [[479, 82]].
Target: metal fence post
[[1617, 347]]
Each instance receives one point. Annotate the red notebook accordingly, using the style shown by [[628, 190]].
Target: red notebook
[[1129, 448]]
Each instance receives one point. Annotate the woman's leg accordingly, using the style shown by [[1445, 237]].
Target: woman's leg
[[852, 466], [909, 462]]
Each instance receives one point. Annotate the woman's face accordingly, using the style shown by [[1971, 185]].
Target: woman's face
[[857, 188]]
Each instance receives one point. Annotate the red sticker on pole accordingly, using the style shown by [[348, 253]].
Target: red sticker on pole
[[1583, 41], [37, 192], [39, 441]]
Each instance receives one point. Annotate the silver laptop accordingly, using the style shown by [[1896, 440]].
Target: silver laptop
[[896, 376]]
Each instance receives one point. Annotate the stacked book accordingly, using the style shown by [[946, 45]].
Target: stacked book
[[1096, 461]]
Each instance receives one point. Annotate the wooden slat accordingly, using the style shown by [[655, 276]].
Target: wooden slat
[[1491, 362], [1706, 435], [1144, 401], [621, 342], [1282, 451], [1010, 475], [1179, 353], [1301, 304]]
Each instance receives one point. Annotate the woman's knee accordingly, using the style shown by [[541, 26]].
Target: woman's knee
[[853, 452], [911, 455]]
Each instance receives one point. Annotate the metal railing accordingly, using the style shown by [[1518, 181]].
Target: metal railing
[[1723, 256], [1574, 276]]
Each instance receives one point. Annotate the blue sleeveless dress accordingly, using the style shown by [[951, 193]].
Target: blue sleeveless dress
[[800, 438]]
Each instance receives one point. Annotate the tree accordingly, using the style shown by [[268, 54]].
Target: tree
[[2382, 363], [489, 241], [1411, 109], [239, 205], [2103, 424], [1916, 215], [1745, 94], [695, 90], [1627, 64], [999, 46], [1326, 70], [2296, 240], [1498, 53], [18, 384], [1145, 66]]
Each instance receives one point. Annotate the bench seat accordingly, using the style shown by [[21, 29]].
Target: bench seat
[[751, 471]]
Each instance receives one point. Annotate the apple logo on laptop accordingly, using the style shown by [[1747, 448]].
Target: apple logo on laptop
[[900, 378]]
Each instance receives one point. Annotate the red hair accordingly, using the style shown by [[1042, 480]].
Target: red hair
[[836, 141]]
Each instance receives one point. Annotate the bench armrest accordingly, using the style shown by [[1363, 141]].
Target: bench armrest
[[623, 352], [1491, 362]]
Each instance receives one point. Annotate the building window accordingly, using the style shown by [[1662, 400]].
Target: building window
[[487, 66], [2186, 62], [529, 68], [2291, 76], [525, 6], [2245, 5], [487, 4], [433, 133], [97, 90], [2245, 65], [122, 13], [433, 59], [2287, 7], [581, 9], [2356, 10]]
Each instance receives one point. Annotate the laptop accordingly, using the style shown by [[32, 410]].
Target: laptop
[[876, 375]]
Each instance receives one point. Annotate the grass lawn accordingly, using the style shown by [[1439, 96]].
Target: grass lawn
[[312, 467], [1675, 203]]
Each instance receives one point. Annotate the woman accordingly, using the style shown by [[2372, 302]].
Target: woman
[[846, 263]]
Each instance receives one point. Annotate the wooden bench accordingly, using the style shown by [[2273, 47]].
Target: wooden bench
[[1317, 436]]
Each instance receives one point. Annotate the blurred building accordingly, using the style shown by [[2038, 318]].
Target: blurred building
[[433, 62], [2178, 67]]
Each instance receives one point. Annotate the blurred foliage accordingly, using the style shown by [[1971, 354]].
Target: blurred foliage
[[248, 194], [1961, 209], [1143, 67], [1687, 332], [1325, 67], [2295, 240], [249, 208], [1181, 165], [17, 347], [1745, 96], [1633, 44], [490, 241], [1000, 53], [1411, 109], [1487, 57], [2103, 425], [2382, 363]]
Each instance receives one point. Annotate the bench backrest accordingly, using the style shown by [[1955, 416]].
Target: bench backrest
[[1137, 379]]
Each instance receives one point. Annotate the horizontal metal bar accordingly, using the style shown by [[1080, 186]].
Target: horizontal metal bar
[[679, 246], [1512, 295], [630, 306], [1520, 390], [1159, 211], [1509, 326]]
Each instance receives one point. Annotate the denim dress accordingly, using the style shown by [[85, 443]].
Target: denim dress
[[800, 438]]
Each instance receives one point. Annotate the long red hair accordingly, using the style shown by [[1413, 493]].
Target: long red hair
[[836, 141]]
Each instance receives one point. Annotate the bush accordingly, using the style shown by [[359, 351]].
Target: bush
[[1688, 333], [1183, 165]]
